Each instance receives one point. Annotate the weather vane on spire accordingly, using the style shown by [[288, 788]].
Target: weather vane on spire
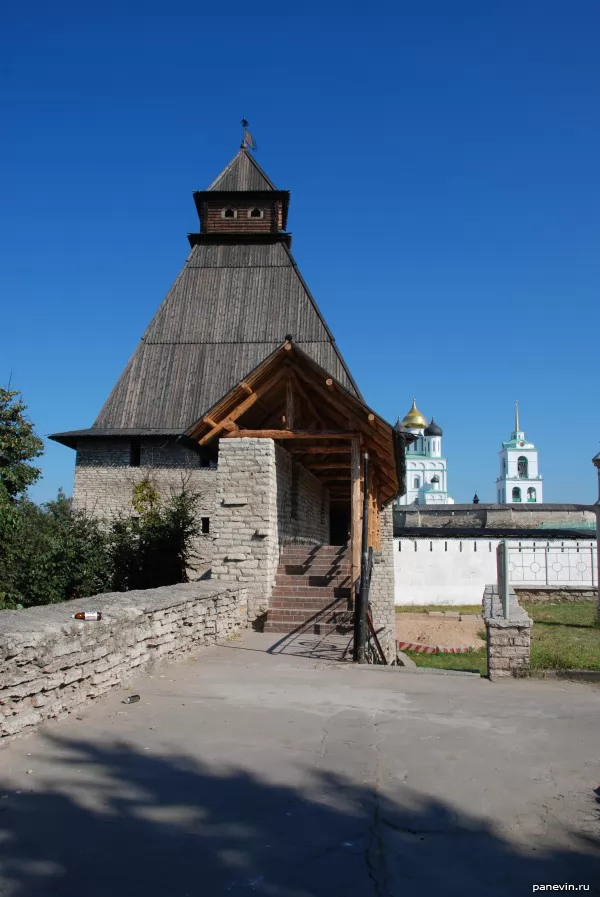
[[247, 139]]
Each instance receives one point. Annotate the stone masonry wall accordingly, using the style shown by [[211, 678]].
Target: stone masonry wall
[[508, 641], [246, 550], [382, 587], [548, 593], [104, 481], [518, 517], [302, 503], [51, 664]]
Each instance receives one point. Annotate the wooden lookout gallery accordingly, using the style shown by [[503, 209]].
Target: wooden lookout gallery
[[238, 392]]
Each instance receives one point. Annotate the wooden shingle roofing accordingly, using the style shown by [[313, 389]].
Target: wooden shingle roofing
[[230, 307], [243, 173]]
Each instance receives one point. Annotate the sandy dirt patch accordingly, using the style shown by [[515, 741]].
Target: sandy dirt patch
[[425, 630]]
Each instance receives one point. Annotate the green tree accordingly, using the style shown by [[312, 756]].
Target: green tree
[[49, 553], [19, 445]]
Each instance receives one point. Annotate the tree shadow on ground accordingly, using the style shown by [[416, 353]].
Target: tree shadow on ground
[[116, 822]]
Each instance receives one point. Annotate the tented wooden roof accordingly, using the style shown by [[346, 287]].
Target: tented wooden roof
[[238, 296], [229, 308]]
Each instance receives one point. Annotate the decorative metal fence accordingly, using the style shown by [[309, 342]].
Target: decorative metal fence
[[545, 564]]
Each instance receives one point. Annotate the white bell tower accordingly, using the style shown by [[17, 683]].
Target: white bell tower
[[519, 479]]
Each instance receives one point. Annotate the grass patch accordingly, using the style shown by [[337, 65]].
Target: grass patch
[[422, 608], [572, 613], [564, 636], [473, 661]]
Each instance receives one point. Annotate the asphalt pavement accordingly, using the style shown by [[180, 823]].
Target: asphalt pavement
[[245, 771]]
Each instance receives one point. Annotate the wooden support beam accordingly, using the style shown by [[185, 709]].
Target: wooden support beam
[[377, 509], [289, 404], [355, 531], [340, 411], [372, 507], [246, 387], [343, 413], [329, 383], [326, 465], [271, 419], [319, 449], [239, 409], [290, 434], [306, 398], [379, 440]]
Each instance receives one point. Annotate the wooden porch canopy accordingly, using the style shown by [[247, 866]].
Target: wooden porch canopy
[[290, 398]]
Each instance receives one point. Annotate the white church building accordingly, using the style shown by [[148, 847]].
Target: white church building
[[519, 480], [426, 467]]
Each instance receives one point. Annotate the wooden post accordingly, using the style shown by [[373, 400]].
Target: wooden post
[[289, 404], [377, 515], [361, 608], [355, 532], [372, 521]]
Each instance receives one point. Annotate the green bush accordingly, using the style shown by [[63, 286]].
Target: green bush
[[52, 553], [155, 548]]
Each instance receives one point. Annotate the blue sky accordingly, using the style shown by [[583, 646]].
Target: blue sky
[[443, 164]]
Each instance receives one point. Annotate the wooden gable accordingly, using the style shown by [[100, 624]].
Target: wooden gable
[[290, 398]]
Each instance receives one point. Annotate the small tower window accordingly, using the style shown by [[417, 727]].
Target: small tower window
[[256, 213], [229, 213], [516, 494], [135, 451], [531, 494], [416, 482], [205, 525], [522, 466]]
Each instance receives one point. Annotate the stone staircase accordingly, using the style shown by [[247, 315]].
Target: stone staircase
[[312, 591]]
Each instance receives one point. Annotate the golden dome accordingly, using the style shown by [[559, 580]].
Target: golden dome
[[414, 420]]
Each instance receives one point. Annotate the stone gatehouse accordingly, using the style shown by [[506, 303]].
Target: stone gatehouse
[[239, 392]]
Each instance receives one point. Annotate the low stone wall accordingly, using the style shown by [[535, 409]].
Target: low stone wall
[[510, 517], [50, 663], [539, 594], [508, 641]]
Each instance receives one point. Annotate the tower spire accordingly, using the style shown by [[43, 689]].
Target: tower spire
[[247, 138], [517, 428]]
